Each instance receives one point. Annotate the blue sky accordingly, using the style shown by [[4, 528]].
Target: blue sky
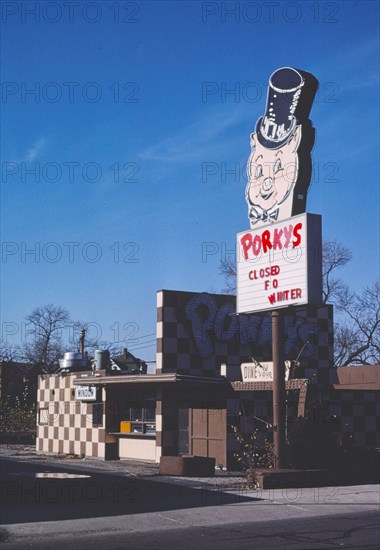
[[131, 106]]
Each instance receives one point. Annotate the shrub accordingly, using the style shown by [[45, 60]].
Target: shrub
[[256, 451], [17, 415]]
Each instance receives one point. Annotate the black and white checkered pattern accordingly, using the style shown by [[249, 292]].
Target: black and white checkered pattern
[[359, 414], [64, 425]]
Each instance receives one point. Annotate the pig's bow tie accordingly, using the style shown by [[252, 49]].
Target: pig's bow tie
[[263, 216]]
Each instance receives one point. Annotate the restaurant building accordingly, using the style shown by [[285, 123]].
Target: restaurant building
[[199, 392]]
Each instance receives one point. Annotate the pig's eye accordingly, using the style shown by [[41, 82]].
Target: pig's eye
[[277, 166], [259, 171]]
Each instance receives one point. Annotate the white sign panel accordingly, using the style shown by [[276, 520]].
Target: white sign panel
[[85, 393], [261, 372], [280, 265]]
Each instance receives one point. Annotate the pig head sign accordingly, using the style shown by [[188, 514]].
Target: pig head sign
[[279, 167], [279, 259]]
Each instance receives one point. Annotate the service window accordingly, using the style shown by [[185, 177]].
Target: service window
[[142, 416]]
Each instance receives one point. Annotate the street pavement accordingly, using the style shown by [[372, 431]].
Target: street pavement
[[49, 502]]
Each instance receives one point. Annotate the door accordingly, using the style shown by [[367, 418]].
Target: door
[[208, 433]]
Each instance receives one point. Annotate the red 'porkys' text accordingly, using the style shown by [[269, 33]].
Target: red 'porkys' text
[[271, 239]]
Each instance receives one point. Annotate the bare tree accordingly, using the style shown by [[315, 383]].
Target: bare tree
[[334, 255], [9, 352], [90, 343], [227, 268], [18, 379], [357, 337], [45, 327]]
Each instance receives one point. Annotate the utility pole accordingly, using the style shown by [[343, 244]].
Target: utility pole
[[81, 341], [279, 401]]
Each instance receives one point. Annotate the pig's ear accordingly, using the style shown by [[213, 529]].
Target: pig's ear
[[296, 139], [253, 141]]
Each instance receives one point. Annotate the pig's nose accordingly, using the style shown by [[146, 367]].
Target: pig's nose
[[267, 184]]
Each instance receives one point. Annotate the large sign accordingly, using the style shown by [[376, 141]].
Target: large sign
[[279, 261], [280, 265], [279, 166]]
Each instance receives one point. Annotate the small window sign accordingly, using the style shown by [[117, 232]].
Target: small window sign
[[261, 372], [85, 393]]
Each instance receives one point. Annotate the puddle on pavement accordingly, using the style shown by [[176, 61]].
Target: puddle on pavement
[[51, 475]]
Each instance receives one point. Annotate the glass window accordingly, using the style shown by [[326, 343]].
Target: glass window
[[97, 414], [136, 414], [150, 411], [142, 415]]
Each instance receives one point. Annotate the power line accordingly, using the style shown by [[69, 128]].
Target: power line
[[146, 342], [136, 338], [142, 347]]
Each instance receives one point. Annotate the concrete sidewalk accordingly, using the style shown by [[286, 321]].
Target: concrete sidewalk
[[223, 481]]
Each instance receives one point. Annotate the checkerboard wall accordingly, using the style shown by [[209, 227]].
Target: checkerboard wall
[[197, 332], [64, 425], [359, 414]]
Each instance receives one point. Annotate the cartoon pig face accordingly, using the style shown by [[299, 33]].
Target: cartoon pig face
[[272, 173]]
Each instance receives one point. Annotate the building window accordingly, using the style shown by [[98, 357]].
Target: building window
[[43, 417], [97, 414], [142, 417]]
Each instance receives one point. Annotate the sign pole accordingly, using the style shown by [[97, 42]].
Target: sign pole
[[279, 401], [274, 268]]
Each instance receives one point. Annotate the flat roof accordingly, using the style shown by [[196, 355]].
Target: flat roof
[[362, 377], [143, 379]]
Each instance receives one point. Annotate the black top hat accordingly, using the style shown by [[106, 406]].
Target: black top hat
[[277, 125]]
